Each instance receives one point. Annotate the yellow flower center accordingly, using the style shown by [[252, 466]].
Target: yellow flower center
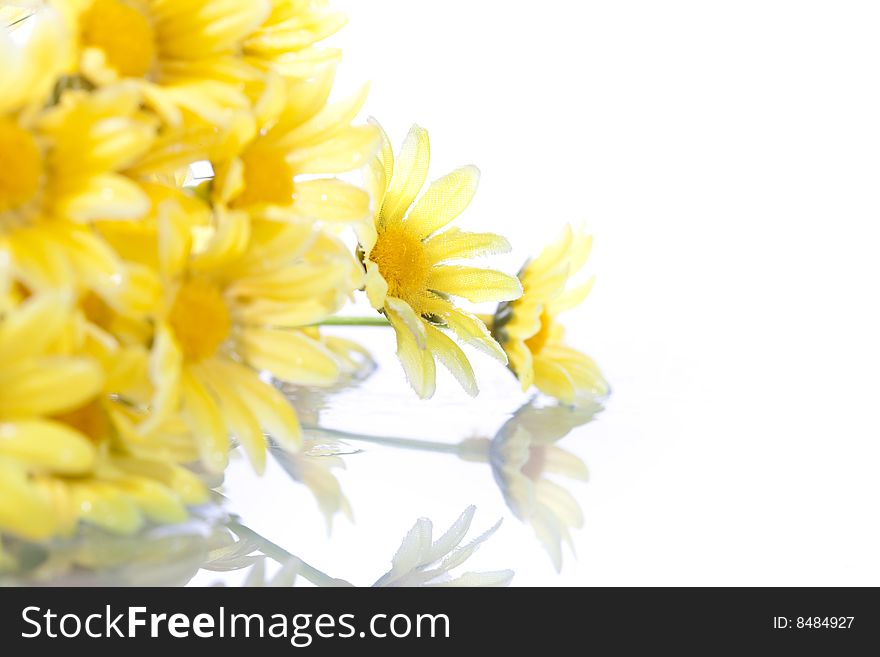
[[403, 263], [21, 166], [90, 420], [200, 320], [268, 178], [123, 33], [539, 339]]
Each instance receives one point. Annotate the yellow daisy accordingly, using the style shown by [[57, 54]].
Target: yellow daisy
[[232, 310], [270, 161], [70, 167], [58, 459], [286, 40], [529, 329], [407, 259], [185, 54]]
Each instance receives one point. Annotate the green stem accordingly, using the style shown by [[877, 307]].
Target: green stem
[[354, 321], [279, 554], [403, 443]]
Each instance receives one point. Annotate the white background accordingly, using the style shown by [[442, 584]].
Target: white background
[[726, 156]]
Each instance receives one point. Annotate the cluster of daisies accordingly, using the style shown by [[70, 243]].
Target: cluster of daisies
[[149, 315]]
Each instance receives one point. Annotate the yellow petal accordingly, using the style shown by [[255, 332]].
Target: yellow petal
[[410, 171], [40, 261], [274, 411], [48, 386], [239, 418], [331, 120], [185, 28], [202, 413], [380, 172], [469, 328], [289, 356], [141, 292], [571, 298], [417, 361], [175, 240], [166, 361], [105, 196], [33, 326], [376, 286], [404, 312], [445, 199], [226, 242], [521, 361], [474, 284], [309, 97], [47, 446], [350, 149], [453, 358], [455, 244], [270, 104], [283, 314], [330, 200], [552, 379]]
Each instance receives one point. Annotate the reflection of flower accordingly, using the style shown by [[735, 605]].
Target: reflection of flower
[[529, 330], [213, 541], [523, 454], [407, 260], [313, 467], [421, 561], [157, 556]]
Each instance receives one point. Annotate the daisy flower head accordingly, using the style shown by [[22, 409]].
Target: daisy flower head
[[412, 270], [235, 305], [422, 561], [277, 161], [185, 54], [60, 461], [530, 331]]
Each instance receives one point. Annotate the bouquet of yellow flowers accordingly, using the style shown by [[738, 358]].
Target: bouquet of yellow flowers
[[176, 227]]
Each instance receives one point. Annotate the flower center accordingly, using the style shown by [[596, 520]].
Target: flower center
[[200, 320], [20, 166], [90, 420], [268, 178], [539, 339], [123, 33], [403, 263]]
